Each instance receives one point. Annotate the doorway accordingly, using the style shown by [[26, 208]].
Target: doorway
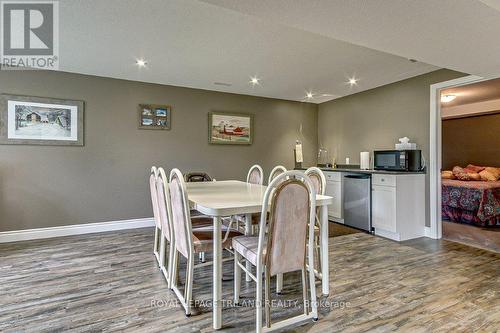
[[466, 91]]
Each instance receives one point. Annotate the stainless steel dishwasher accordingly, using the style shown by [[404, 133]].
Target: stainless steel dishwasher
[[357, 201]]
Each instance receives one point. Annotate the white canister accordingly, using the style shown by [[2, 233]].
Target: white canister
[[364, 160]]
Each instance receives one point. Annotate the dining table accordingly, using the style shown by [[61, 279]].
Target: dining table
[[220, 199]]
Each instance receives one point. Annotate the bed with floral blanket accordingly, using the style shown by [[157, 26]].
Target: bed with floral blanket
[[471, 202]]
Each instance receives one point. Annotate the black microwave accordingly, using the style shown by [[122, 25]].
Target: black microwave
[[397, 160]]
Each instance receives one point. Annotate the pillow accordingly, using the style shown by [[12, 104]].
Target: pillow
[[447, 174], [471, 168], [494, 171], [490, 174], [462, 174], [474, 176]]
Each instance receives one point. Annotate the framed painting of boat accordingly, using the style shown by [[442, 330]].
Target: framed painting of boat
[[230, 128]]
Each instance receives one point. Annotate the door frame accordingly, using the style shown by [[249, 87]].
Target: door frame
[[435, 162]]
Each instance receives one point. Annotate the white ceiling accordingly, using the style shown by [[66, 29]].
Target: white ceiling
[[458, 34], [194, 44]]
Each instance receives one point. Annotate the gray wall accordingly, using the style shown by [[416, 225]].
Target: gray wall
[[43, 186], [376, 118]]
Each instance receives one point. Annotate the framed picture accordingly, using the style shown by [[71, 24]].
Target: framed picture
[[152, 116], [40, 121], [230, 128]]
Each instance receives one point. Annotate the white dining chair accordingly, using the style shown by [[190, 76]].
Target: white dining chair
[[291, 202], [319, 181], [276, 171], [188, 240], [195, 177], [255, 176], [154, 202], [165, 215]]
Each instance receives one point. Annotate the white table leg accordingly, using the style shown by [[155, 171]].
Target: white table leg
[[248, 232], [324, 251], [217, 275]]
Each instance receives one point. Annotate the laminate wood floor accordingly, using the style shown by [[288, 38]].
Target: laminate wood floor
[[109, 282]]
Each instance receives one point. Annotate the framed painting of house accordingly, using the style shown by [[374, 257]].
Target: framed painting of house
[[30, 120], [230, 128], [153, 116]]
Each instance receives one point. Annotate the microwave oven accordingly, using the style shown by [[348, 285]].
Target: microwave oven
[[397, 160]]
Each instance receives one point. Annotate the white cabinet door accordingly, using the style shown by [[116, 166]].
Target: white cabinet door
[[384, 207], [334, 189]]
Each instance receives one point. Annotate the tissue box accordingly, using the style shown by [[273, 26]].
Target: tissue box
[[406, 146]]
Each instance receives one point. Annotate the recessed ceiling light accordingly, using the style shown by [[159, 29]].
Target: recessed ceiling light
[[309, 94], [141, 62], [353, 81], [254, 80], [448, 98]]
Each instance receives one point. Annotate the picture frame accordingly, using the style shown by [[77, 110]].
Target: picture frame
[[154, 116], [29, 120], [230, 128]]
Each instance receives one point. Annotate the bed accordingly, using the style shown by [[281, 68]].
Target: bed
[[471, 202]]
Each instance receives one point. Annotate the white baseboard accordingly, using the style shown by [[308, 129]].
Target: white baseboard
[[76, 229], [388, 234], [427, 232]]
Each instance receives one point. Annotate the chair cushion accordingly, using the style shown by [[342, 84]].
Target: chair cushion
[[247, 247], [203, 238]]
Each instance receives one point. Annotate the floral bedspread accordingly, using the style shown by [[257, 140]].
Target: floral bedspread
[[471, 202]]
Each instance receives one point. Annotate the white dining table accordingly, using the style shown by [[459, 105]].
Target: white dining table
[[232, 197]]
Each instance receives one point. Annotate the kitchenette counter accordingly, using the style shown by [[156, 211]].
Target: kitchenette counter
[[389, 203], [370, 171]]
